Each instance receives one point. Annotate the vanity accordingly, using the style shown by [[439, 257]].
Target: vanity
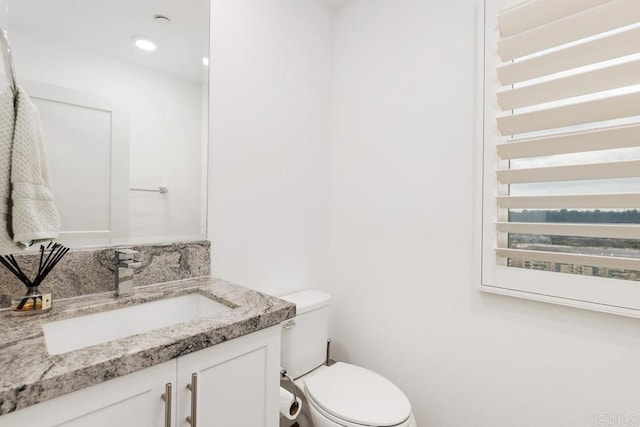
[[220, 367]]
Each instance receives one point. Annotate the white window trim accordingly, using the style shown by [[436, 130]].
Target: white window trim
[[594, 293]]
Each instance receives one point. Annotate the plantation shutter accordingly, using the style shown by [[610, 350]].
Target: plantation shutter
[[568, 120]]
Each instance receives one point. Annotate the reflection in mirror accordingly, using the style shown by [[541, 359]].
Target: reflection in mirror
[[120, 122]]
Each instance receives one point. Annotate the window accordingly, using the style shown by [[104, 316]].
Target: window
[[561, 152]]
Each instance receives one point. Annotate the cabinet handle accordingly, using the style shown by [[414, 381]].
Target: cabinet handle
[[193, 387], [166, 396]]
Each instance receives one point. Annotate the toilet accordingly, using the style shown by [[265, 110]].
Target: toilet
[[340, 395]]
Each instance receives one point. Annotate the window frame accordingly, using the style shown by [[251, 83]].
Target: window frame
[[594, 293]]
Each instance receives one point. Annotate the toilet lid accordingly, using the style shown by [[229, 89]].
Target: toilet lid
[[358, 395]]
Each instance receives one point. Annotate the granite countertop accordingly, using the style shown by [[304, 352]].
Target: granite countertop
[[30, 375]]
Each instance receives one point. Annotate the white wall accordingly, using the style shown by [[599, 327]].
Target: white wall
[[165, 130], [4, 13], [401, 252], [270, 147]]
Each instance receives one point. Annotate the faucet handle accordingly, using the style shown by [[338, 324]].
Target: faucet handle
[[129, 264]]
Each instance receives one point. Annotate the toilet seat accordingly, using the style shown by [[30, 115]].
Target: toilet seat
[[351, 395], [323, 419]]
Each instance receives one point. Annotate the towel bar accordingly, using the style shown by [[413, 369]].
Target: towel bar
[[161, 190]]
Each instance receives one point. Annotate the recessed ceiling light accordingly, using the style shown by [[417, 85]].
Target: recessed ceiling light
[[205, 61], [145, 43]]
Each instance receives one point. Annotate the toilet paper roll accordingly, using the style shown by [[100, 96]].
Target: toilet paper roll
[[289, 408]]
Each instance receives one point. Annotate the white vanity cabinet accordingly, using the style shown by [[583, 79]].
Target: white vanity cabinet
[[236, 385]]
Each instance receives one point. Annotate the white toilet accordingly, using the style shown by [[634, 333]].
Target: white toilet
[[341, 394]]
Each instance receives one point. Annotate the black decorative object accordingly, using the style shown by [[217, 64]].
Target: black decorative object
[[36, 300]]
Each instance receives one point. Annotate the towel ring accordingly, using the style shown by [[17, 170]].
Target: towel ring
[[9, 69]]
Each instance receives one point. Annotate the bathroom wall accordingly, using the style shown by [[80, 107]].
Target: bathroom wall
[[4, 13], [402, 222], [270, 149]]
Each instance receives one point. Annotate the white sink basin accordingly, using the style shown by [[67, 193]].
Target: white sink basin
[[84, 331]]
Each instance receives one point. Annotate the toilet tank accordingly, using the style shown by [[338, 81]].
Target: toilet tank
[[304, 338]]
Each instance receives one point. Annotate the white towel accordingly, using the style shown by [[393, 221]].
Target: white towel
[[7, 124], [33, 216]]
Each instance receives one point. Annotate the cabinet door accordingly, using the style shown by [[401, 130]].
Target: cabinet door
[[237, 382], [131, 400]]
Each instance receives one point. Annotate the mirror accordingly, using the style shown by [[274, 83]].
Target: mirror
[[125, 128]]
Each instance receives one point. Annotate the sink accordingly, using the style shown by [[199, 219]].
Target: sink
[[79, 332]]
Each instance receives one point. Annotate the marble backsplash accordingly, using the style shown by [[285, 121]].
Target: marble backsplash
[[91, 271]]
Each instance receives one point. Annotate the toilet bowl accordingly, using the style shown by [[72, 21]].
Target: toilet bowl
[[340, 395], [351, 396]]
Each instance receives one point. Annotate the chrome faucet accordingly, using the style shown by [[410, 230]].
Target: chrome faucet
[[126, 263]]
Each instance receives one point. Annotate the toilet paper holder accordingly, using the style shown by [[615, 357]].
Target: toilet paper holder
[[294, 405]]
